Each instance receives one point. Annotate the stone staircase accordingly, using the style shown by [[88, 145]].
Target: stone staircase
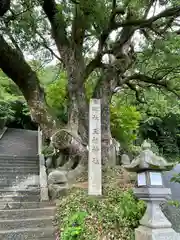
[[22, 215]]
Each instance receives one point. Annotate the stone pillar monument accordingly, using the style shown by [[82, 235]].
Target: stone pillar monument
[[153, 225], [94, 160]]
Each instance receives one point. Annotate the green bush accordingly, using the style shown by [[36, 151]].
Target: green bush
[[75, 226], [117, 214], [125, 120], [48, 151], [56, 97]]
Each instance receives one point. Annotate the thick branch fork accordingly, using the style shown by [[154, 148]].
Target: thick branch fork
[[134, 24]]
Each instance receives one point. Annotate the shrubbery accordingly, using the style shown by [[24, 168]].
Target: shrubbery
[[116, 215]]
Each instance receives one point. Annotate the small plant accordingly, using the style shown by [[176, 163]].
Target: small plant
[[174, 203], [176, 178], [48, 151], [75, 226]]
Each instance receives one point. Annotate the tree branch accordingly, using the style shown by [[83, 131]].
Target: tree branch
[[13, 64], [15, 67], [128, 31], [158, 81], [143, 78], [15, 16], [79, 26], [173, 11], [57, 21], [12, 39], [47, 47], [96, 62], [134, 87]]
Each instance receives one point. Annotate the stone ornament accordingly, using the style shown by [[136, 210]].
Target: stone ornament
[[153, 225], [147, 160]]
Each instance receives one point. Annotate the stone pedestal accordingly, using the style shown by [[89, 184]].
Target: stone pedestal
[[146, 233], [154, 225]]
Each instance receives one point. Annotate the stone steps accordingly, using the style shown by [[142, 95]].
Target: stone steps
[[28, 234], [4, 186], [25, 192], [8, 183], [18, 160], [19, 198], [22, 215], [19, 163], [18, 157], [14, 181], [19, 142], [26, 223], [27, 213], [13, 165], [19, 166], [15, 177], [26, 205], [22, 169]]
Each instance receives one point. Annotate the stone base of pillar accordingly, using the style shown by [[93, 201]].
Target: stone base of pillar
[[145, 233]]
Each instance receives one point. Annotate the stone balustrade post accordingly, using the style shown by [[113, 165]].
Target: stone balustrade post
[[43, 175]]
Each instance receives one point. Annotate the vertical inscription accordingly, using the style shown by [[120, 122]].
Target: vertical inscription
[[95, 168]]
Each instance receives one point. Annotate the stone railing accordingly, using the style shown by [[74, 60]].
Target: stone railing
[[43, 176], [2, 132]]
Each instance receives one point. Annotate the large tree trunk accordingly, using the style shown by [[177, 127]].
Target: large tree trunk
[[78, 106], [13, 64], [78, 115]]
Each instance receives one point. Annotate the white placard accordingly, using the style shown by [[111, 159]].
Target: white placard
[[156, 178], [141, 179], [94, 161]]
